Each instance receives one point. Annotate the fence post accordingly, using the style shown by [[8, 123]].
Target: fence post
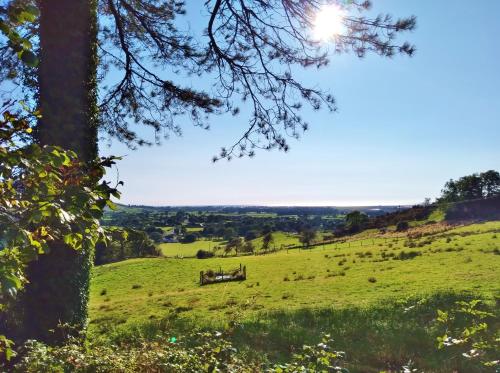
[[201, 277]]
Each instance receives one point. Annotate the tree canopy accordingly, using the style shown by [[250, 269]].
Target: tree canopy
[[249, 50], [476, 186]]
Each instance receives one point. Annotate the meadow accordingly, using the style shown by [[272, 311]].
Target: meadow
[[186, 250], [366, 271], [179, 249]]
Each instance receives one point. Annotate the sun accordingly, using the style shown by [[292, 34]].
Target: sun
[[328, 23]]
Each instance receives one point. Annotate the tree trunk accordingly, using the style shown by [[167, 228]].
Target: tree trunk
[[58, 289]]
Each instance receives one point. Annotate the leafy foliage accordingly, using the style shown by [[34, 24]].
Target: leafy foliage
[[476, 186], [307, 236], [355, 221], [46, 195], [249, 50], [478, 340], [16, 27], [201, 352], [124, 244], [319, 358]]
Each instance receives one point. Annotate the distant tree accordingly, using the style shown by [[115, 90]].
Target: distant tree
[[475, 186], [248, 247], [124, 244], [267, 240], [228, 234], [180, 217], [235, 244], [267, 228], [156, 236], [307, 236], [490, 183], [180, 229], [251, 235], [189, 238], [355, 221]]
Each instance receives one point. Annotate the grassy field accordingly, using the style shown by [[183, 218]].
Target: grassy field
[[337, 275], [280, 239], [358, 290], [179, 249]]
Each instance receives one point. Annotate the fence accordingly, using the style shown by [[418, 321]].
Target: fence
[[212, 277]]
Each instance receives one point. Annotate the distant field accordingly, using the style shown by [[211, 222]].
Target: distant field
[[187, 249], [280, 239], [194, 229], [338, 275]]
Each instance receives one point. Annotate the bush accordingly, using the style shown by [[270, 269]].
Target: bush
[[469, 329], [403, 255], [210, 352], [189, 238], [204, 254], [402, 226]]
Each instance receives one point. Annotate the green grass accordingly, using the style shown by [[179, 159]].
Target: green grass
[[355, 291], [179, 249], [281, 239], [336, 275], [194, 229]]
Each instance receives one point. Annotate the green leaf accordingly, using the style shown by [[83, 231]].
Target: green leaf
[[29, 58]]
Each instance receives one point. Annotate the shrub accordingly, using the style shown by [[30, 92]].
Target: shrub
[[189, 238], [210, 352], [299, 278], [372, 280], [204, 254], [403, 255], [465, 329], [402, 226]]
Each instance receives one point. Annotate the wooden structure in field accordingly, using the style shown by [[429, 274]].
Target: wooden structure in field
[[213, 277]]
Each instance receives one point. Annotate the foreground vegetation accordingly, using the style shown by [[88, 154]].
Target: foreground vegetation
[[399, 336]]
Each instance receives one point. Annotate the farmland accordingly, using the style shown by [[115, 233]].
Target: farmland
[[363, 271], [178, 249]]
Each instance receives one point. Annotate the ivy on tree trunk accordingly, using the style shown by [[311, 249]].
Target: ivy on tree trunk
[[58, 289]]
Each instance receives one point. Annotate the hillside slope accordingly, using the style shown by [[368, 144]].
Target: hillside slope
[[361, 272]]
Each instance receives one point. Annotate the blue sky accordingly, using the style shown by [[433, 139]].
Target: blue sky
[[404, 126]]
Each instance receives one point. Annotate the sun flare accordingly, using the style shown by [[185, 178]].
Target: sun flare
[[329, 22]]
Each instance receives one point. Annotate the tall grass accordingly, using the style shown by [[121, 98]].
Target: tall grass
[[383, 336]]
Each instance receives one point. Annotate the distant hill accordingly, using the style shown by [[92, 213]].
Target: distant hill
[[278, 210]]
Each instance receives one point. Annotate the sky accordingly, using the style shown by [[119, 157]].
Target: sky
[[404, 126]]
